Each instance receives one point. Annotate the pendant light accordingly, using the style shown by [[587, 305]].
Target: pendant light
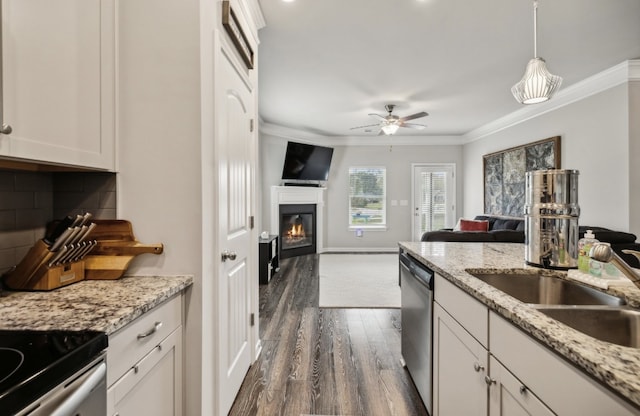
[[538, 84]]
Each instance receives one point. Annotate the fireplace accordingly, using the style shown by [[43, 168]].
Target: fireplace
[[297, 230], [288, 200]]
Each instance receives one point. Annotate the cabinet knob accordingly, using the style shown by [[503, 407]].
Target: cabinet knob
[[489, 380], [478, 367]]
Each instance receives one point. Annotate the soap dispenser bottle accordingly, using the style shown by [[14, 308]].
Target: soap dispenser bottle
[[584, 246]]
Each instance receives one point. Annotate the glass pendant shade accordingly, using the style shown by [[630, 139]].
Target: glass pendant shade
[[537, 85], [390, 129]]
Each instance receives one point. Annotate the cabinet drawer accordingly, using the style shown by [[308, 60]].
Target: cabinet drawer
[[471, 314], [154, 385], [128, 345], [561, 386]]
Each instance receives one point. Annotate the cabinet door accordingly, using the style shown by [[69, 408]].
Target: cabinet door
[[459, 369], [509, 397], [154, 385], [58, 63]]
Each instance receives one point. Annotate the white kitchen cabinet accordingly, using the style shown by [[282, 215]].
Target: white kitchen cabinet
[[459, 369], [565, 389], [509, 397], [144, 364], [58, 75], [480, 355]]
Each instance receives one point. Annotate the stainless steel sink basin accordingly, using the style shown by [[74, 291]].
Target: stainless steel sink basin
[[619, 326], [530, 286]]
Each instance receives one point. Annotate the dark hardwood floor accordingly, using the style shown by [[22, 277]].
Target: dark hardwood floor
[[324, 361]]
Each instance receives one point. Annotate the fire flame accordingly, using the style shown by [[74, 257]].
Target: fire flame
[[296, 231]]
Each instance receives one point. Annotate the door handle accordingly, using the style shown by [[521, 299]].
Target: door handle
[[228, 255]]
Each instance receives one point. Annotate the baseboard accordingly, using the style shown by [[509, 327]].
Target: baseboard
[[361, 250]]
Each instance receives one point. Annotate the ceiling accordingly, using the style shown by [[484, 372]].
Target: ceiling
[[326, 64]]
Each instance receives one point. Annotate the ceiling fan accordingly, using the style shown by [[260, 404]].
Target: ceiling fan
[[390, 123]]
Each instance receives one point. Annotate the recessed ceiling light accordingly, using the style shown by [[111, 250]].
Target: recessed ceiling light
[[288, 1]]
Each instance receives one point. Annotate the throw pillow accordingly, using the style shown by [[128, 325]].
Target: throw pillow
[[474, 225]]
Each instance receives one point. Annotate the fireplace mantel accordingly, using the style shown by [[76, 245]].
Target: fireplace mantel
[[285, 195]]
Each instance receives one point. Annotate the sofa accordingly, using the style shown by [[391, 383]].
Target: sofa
[[511, 230]]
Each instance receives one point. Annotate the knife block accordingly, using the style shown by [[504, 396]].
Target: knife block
[[116, 247], [34, 273]]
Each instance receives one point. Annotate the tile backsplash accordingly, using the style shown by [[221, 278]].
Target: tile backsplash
[[29, 200]]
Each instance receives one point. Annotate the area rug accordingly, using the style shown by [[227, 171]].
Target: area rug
[[359, 281]]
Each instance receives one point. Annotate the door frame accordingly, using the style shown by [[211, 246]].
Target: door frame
[[453, 199]]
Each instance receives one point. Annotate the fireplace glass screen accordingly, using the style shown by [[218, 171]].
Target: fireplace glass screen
[[297, 229]]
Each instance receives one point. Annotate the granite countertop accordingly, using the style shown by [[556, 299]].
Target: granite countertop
[[99, 305], [615, 366]]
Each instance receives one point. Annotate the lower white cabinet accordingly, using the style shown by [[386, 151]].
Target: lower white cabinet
[[509, 397], [459, 363], [484, 365], [144, 364]]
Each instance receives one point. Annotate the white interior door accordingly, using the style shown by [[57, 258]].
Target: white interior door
[[433, 197], [234, 112]]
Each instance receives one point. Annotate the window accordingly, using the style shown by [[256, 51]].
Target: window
[[367, 197]]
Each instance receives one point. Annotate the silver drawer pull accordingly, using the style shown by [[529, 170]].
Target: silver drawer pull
[[150, 332]]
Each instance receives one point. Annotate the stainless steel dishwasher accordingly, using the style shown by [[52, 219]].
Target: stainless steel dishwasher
[[416, 282]]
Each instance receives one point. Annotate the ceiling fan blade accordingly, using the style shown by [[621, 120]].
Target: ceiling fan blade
[[413, 126], [414, 116], [378, 116], [362, 127]]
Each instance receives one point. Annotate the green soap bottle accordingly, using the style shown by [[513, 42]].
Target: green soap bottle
[[584, 245]]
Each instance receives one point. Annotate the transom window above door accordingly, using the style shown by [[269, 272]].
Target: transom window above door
[[367, 197]]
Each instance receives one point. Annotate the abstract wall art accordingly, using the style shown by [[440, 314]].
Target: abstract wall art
[[504, 174]]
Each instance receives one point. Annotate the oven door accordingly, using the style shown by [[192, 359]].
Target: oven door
[[83, 394]]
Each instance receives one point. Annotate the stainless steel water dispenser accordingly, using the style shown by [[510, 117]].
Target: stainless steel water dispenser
[[551, 215]]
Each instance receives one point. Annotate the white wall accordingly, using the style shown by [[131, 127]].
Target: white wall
[[595, 140], [634, 157], [397, 159]]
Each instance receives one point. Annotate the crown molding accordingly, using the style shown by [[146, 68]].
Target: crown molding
[[609, 78], [274, 130]]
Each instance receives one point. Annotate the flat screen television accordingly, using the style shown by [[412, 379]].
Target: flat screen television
[[306, 162]]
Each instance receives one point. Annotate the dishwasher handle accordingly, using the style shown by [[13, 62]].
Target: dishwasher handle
[[83, 391], [419, 271]]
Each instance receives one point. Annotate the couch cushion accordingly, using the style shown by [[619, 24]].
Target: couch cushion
[[506, 224], [457, 236], [473, 225], [609, 236], [508, 236]]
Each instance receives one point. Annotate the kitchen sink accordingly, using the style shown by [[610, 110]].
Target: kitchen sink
[[619, 326], [531, 286]]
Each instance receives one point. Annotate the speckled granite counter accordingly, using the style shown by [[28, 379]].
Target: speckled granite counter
[[100, 305], [615, 366]]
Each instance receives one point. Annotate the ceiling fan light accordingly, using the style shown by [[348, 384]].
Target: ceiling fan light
[[537, 85], [390, 129]]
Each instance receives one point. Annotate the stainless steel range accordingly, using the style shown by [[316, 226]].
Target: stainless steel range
[[52, 373]]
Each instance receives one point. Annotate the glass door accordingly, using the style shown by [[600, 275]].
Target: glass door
[[433, 198]]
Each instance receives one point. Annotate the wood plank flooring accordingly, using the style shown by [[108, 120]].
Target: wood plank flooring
[[324, 361]]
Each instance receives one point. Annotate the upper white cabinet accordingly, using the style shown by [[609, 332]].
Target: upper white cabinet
[[58, 78]]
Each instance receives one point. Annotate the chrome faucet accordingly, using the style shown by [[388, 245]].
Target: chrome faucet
[[604, 253]]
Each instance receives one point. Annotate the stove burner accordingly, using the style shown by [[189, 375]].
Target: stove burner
[[10, 361], [34, 362]]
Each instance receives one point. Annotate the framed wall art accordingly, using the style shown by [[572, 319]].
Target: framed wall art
[[504, 174], [239, 39]]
